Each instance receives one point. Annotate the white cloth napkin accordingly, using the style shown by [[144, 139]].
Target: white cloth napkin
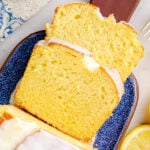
[[14, 13]]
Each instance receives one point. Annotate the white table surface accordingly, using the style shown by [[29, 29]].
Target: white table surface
[[142, 71]]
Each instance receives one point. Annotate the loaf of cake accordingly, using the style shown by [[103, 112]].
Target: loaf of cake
[[65, 87], [21, 131], [113, 45]]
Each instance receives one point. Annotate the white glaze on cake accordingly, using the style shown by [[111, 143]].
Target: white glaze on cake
[[20, 135], [66, 43], [90, 63], [45, 141], [14, 131], [117, 79]]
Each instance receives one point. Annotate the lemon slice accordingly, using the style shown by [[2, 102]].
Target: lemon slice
[[137, 139]]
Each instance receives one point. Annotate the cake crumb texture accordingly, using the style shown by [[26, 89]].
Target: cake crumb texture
[[58, 88], [114, 45]]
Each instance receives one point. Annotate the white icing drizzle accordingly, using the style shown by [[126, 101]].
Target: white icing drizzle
[[90, 63], [14, 131], [42, 42], [117, 79], [20, 135], [66, 43], [45, 141]]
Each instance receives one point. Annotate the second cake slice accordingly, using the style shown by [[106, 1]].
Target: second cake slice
[[68, 90]]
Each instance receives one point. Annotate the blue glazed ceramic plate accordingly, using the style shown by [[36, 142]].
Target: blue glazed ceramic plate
[[109, 135]]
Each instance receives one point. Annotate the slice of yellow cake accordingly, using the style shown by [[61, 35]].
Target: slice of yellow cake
[[67, 89], [23, 131], [113, 45]]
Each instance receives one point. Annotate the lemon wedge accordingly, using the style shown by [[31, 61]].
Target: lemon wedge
[[137, 139]]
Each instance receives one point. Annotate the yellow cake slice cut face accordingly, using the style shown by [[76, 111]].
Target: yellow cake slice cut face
[[114, 45], [59, 88]]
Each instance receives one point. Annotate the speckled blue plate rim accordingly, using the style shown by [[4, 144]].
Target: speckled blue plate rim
[[40, 35], [123, 133]]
